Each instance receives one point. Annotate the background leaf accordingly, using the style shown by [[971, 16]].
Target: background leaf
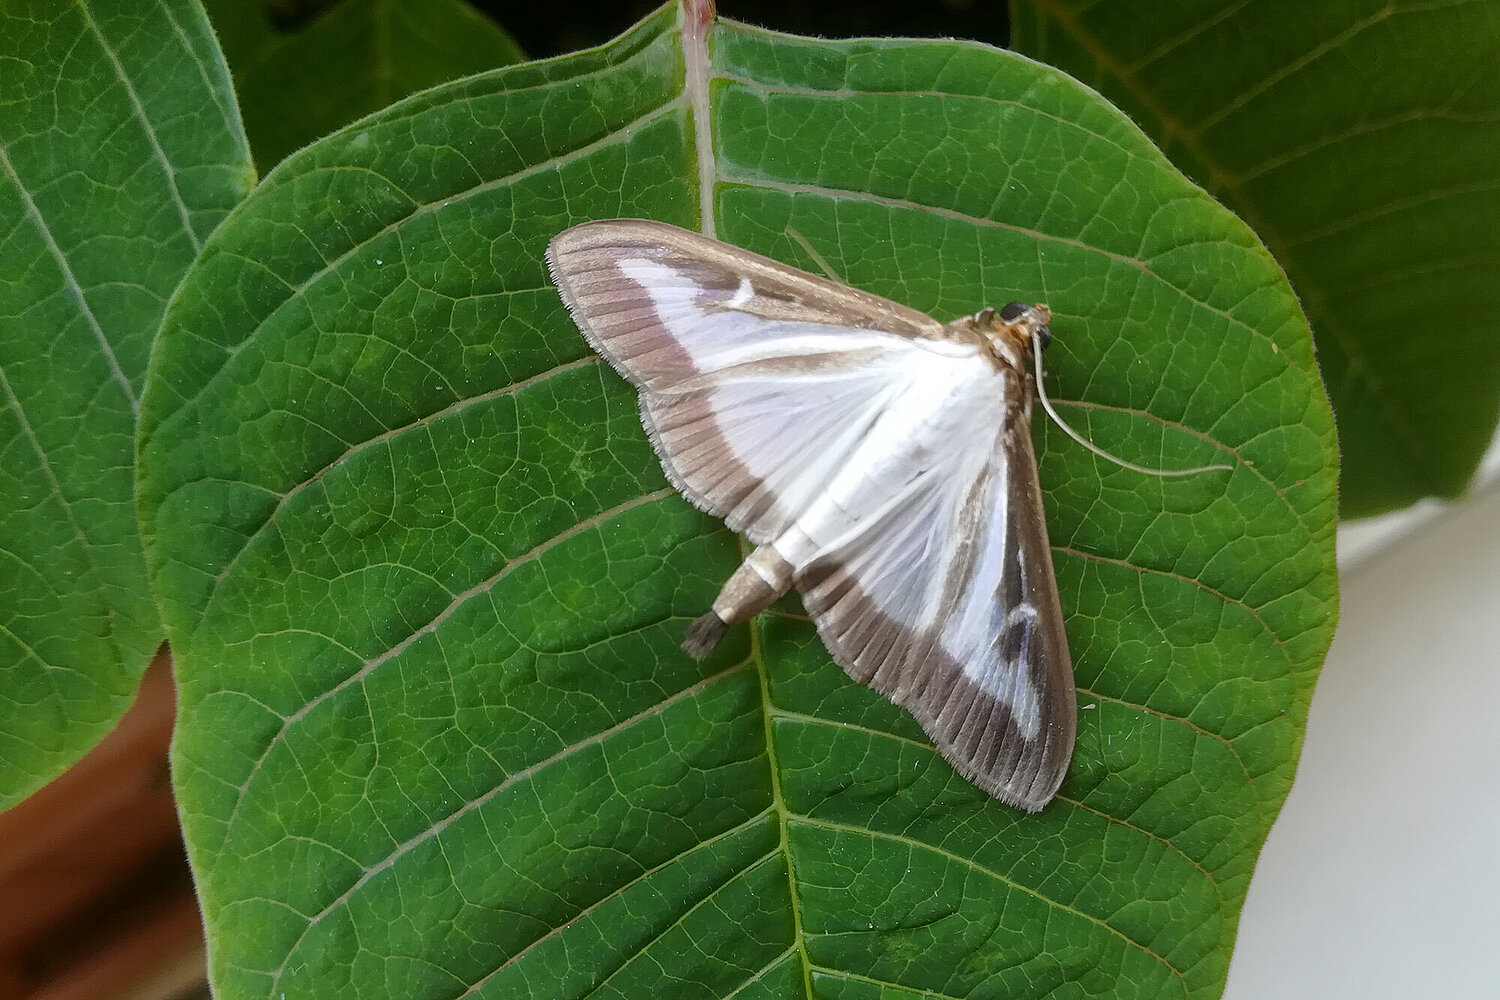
[[1358, 139], [302, 81], [425, 582], [120, 150]]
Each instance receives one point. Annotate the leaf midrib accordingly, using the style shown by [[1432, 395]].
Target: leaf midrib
[[368, 873], [709, 176], [778, 800]]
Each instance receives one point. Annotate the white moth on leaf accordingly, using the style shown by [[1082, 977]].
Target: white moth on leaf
[[879, 460]]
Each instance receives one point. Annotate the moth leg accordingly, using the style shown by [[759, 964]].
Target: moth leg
[[761, 578]]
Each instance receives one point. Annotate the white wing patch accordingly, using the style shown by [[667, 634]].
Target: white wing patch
[[881, 461], [794, 401], [742, 295], [897, 518]]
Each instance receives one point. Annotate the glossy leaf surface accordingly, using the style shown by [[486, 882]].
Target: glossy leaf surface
[[120, 150], [1358, 139], [426, 583]]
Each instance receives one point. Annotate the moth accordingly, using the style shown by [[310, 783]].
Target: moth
[[879, 460]]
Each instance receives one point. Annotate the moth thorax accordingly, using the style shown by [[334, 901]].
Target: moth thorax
[[1009, 332]]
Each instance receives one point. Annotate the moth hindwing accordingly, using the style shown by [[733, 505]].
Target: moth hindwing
[[879, 460]]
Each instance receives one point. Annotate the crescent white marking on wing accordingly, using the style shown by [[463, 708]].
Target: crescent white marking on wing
[[742, 295]]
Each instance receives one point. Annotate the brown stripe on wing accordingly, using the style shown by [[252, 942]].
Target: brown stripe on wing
[[702, 466], [620, 321], [618, 318], [624, 321], [976, 731], [782, 292], [970, 727]]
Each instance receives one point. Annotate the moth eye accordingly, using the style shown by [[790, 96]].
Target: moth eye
[[1013, 311]]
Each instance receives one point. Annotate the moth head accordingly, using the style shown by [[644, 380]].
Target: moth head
[[1011, 330]]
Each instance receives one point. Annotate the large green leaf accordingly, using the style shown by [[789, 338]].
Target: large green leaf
[[352, 59], [1359, 139], [425, 581], [120, 150]]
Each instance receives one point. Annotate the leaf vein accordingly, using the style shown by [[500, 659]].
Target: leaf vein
[[975, 866], [60, 259], [458, 601], [359, 446], [836, 194], [159, 154], [1183, 578], [55, 486], [928, 747], [618, 892], [525, 774], [414, 211]]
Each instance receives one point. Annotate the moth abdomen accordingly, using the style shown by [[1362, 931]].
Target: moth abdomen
[[763, 577], [706, 632]]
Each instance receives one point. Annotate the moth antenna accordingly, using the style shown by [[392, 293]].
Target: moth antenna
[[817, 258], [1041, 392]]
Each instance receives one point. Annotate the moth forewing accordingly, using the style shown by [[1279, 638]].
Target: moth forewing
[[881, 462], [1035, 635]]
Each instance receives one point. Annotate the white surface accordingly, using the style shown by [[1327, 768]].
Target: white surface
[[1364, 540], [1381, 878]]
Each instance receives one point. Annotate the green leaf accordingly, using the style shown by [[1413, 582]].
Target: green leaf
[[354, 58], [1358, 139], [426, 584], [120, 151]]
